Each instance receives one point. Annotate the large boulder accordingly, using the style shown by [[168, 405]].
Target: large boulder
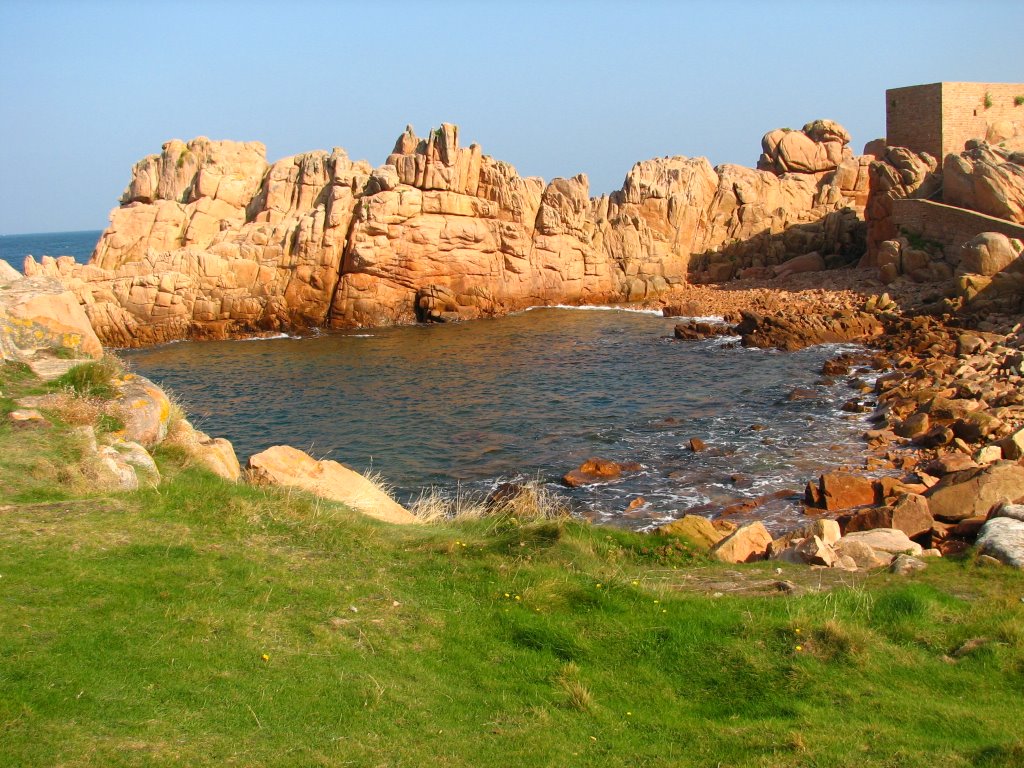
[[897, 173], [286, 466], [908, 513], [39, 313], [1003, 539], [8, 274], [840, 490], [744, 545], [989, 253], [986, 179], [214, 453], [821, 146], [973, 492], [143, 407]]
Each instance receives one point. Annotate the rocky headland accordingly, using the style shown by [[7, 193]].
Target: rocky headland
[[212, 241]]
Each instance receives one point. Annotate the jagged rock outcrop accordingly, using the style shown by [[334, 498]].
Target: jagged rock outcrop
[[211, 241], [987, 179]]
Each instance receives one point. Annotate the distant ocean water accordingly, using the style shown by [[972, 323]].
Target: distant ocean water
[[14, 248]]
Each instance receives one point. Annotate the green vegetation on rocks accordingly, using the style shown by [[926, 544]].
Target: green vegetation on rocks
[[204, 622]]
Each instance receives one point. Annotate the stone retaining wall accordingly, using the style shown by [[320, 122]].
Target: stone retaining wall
[[947, 225]]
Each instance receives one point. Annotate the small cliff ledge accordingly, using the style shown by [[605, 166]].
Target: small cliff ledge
[[212, 241]]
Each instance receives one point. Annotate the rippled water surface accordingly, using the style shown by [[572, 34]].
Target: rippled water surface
[[527, 396]]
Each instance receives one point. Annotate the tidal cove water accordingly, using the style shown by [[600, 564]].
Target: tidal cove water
[[529, 396], [14, 248]]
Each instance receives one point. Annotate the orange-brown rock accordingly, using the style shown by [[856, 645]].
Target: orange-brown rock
[[973, 492], [698, 530], [898, 173], [744, 545], [212, 241], [839, 490], [909, 513], [214, 453], [597, 470], [796, 331], [289, 467], [987, 179]]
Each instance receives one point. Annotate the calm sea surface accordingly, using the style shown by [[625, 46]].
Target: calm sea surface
[[14, 248], [524, 397]]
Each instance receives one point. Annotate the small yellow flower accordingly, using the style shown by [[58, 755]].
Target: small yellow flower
[[797, 630], [798, 648], [636, 583], [598, 586], [518, 598], [265, 657], [629, 714], [507, 595]]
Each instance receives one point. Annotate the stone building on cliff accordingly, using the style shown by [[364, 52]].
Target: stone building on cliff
[[940, 118]]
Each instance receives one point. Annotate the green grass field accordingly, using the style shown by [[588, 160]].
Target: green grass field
[[203, 623]]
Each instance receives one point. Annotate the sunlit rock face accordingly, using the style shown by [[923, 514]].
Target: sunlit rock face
[[212, 241]]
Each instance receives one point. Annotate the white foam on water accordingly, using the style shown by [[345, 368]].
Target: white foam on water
[[698, 319], [271, 338], [595, 308]]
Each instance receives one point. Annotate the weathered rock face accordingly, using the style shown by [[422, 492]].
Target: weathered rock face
[[989, 253], [973, 492], [744, 545], [987, 179], [211, 241], [695, 528], [214, 453], [38, 314], [820, 146]]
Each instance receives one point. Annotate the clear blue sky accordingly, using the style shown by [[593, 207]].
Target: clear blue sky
[[555, 88]]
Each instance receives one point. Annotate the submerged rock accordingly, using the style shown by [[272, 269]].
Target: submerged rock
[[597, 470]]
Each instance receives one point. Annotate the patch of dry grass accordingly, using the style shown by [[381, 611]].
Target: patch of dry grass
[[524, 502]]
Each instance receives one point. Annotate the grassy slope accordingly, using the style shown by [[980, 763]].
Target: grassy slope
[[134, 629]]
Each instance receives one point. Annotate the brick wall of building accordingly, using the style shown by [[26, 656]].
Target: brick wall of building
[[939, 118], [947, 225], [913, 118], [965, 114]]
